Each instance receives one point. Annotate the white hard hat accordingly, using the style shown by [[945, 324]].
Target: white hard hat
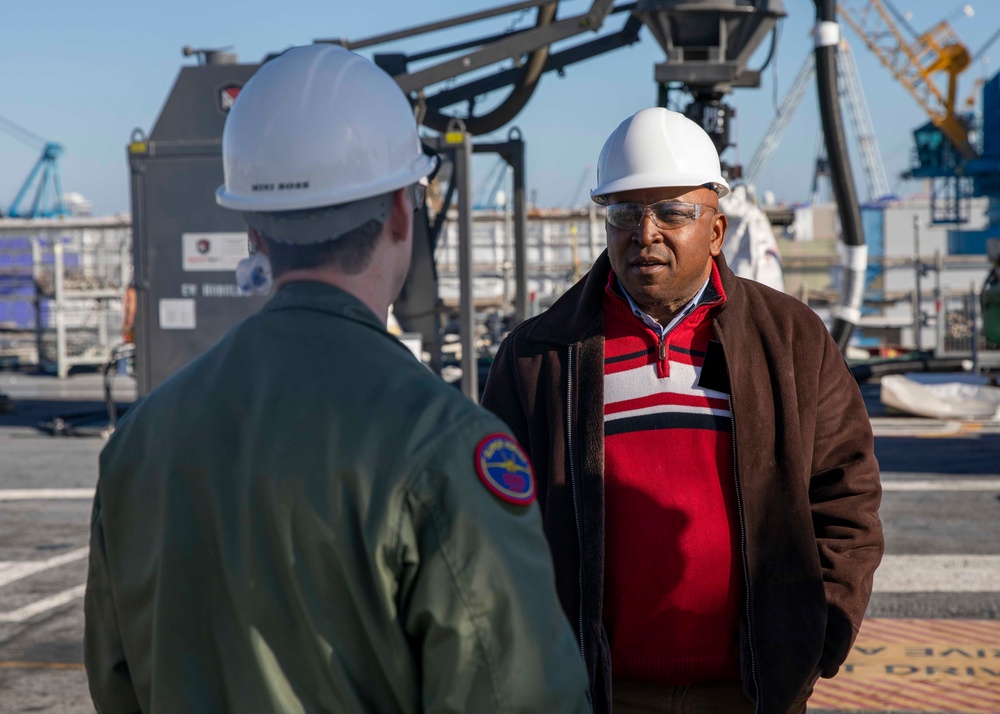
[[318, 126], [657, 148]]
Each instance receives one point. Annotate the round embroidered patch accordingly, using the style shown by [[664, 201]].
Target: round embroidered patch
[[505, 469]]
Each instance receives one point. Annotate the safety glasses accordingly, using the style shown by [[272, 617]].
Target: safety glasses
[[665, 214]]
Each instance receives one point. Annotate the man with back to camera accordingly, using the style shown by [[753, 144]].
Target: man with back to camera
[[304, 518], [704, 459]]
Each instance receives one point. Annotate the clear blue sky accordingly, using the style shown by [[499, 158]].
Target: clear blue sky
[[86, 74]]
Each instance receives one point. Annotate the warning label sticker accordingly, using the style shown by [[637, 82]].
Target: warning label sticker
[[177, 314], [213, 251]]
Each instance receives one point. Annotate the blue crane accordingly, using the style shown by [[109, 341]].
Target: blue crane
[[48, 199]]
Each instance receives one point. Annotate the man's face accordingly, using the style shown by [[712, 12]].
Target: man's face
[[662, 268]]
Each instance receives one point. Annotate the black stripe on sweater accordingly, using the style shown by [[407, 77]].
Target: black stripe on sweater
[[633, 355], [668, 420], [693, 353]]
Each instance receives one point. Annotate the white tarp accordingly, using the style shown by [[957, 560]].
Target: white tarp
[[750, 247], [948, 400]]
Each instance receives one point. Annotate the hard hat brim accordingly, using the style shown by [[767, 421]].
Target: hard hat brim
[[635, 182]]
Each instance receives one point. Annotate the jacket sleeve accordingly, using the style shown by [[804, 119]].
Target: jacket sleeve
[[104, 656], [477, 597], [844, 494]]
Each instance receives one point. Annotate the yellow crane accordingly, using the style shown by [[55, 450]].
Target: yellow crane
[[916, 64]]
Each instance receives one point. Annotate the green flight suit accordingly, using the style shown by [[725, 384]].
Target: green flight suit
[[294, 522]]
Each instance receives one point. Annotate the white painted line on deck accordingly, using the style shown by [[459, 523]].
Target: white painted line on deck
[[941, 484], [29, 494], [43, 605], [12, 570], [938, 574]]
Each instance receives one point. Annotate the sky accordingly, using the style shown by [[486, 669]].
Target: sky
[[87, 74]]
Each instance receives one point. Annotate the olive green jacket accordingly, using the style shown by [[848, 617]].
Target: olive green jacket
[[294, 523]]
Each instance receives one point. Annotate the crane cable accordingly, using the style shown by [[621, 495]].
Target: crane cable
[[18, 132]]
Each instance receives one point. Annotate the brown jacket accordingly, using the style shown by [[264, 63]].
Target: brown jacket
[[807, 480]]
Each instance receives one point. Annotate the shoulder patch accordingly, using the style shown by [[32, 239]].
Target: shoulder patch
[[504, 468]]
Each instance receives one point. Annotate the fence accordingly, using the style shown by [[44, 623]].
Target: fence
[[561, 247], [61, 289], [62, 283], [959, 329]]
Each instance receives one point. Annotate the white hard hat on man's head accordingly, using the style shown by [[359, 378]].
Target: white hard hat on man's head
[[657, 148], [317, 127]]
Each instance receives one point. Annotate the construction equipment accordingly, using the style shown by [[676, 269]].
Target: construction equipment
[[849, 84], [48, 199], [916, 64], [990, 296], [185, 294]]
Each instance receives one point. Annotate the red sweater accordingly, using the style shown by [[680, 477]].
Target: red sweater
[[672, 560]]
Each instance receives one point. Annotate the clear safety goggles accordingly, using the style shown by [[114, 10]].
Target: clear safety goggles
[[665, 214]]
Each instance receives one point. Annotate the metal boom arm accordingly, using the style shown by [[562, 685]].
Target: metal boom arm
[[486, 51], [914, 66]]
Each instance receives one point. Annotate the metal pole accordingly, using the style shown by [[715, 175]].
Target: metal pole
[[36, 265], [434, 26], [574, 238], [595, 246], [462, 144], [509, 240], [520, 231], [974, 320], [62, 369], [917, 268], [939, 314]]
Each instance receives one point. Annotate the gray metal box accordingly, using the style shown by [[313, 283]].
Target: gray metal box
[[185, 246]]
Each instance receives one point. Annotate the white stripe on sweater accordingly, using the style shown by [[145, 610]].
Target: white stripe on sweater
[[667, 409], [643, 381]]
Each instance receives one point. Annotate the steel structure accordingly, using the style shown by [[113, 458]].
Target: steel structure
[[48, 200], [864, 132], [185, 302], [852, 96], [916, 64], [61, 288], [708, 46]]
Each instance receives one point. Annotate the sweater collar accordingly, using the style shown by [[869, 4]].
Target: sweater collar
[[706, 295], [576, 315]]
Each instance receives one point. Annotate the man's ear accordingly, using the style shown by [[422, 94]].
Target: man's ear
[[719, 226], [400, 215]]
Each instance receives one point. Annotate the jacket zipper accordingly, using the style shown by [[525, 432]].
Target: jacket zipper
[[743, 555], [572, 485], [663, 347]]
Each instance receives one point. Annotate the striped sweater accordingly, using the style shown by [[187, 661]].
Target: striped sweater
[[672, 586]]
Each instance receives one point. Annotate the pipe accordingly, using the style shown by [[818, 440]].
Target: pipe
[[515, 101], [847, 313], [872, 371]]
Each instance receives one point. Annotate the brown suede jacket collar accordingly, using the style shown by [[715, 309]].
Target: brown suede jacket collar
[[572, 317]]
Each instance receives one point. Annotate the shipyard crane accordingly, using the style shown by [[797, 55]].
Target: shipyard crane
[[849, 85], [917, 64], [48, 199]]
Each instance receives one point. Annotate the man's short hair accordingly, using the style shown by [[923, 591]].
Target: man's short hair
[[349, 253]]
